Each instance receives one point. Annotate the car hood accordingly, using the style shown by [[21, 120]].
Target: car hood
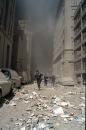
[[3, 81]]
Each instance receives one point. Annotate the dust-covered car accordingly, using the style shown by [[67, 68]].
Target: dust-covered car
[[6, 85], [24, 77], [13, 76]]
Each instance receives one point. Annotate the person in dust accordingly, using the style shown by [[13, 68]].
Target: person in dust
[[45, 80], [38, 78], [53, 80]]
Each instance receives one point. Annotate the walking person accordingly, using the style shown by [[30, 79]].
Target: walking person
[[53, 80], [38, 78], [45, 80]]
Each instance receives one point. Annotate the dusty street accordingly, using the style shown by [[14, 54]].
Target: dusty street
[[58, 108]]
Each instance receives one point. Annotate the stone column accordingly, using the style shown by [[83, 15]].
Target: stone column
[[68, 61]]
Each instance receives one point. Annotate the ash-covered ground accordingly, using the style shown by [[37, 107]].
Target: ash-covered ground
[[51, 108]]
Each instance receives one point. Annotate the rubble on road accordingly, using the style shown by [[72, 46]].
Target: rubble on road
[[23, 128], [12, 103], [58, 111], [43, 113]]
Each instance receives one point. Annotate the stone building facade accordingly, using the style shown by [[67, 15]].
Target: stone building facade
[[63, 49], [80, 43], [21, 61], [7, 15]]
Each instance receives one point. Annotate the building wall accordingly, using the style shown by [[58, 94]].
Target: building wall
[[22, 44], [7, 14], [63, 54], [22, 52], [80, 43], [25, 25], [59, 44]]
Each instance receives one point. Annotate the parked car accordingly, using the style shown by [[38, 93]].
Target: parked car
[[13, 75], [24, 78], [6, 85]]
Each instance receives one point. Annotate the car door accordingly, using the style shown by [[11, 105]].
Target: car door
[[15, 78], [4, 84]]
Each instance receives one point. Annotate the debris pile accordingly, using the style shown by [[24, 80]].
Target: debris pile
[[46, 114]]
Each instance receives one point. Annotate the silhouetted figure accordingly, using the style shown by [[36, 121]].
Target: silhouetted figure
[[38, 77], [53, 80], [45, 80]]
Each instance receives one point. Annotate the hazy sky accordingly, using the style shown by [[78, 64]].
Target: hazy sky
[[42, 14], [36, 9]]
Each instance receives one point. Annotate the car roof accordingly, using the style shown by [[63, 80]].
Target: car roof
[[8, 69]]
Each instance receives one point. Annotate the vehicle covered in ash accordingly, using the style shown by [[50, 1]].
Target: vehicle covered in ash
[[13, 76], [24, 77], [6, 85]]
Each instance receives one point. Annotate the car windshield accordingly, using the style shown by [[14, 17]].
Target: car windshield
[[2, 76], [6, 73]]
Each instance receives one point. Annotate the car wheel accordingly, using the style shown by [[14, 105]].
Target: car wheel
[[0, 94], [14, 86], [11, 90]]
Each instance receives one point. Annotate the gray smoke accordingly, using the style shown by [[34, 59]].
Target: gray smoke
[[42, 14]]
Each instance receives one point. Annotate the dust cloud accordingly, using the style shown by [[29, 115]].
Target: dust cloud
[[42, 15]]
